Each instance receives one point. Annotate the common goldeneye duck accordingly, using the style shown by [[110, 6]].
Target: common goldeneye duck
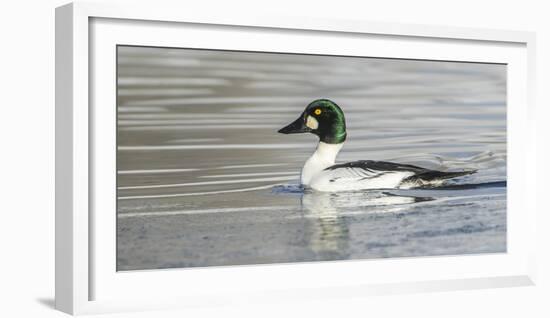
[[325, 119]]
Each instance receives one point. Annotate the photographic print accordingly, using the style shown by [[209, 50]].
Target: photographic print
[[240, 158]]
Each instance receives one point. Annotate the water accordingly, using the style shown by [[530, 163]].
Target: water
[[205, 179]]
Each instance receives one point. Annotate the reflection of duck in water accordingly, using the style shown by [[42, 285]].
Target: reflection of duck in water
[[325, 119], [328, 233], [328, 214]]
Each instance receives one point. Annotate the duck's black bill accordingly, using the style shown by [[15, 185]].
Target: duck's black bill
[[296, 127]]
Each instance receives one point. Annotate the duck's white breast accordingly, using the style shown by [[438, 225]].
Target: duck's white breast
[[322, 158]]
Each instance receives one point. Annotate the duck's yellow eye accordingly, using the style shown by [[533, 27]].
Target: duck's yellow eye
[[317, 111]]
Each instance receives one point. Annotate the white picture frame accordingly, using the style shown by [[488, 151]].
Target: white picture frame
[[86, 280]]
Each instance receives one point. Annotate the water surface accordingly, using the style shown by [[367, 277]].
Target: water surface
[[204, 179]]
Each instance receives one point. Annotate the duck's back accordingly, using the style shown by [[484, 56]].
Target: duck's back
[[369, 174]]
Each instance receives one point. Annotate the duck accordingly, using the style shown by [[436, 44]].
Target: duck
[[325, 119]]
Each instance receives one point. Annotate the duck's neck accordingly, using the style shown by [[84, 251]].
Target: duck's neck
[[323, 157]]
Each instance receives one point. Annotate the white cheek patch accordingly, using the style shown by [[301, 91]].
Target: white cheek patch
[[312, 122]]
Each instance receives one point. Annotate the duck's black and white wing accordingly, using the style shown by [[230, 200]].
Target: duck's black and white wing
[[369, 174], [361, 175]]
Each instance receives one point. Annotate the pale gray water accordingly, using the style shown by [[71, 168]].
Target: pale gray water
[[205, 179]]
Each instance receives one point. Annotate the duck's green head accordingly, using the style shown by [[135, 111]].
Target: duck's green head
[[323, 118]]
